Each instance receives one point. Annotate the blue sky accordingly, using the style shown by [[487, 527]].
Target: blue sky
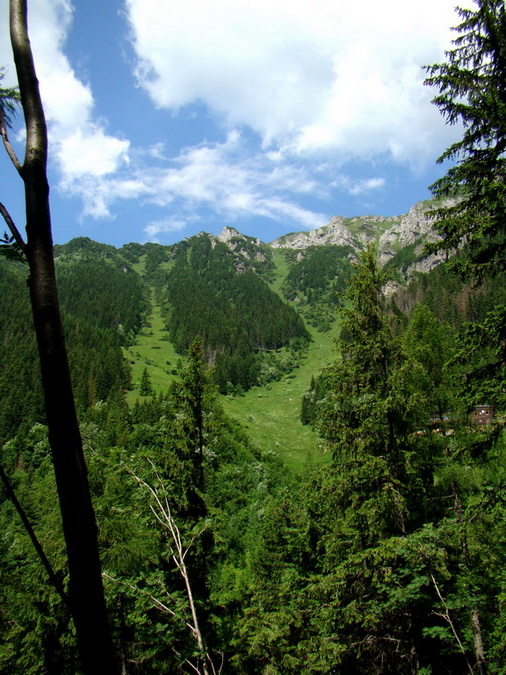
[[170, 117]]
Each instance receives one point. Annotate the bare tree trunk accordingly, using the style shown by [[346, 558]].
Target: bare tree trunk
[[479, 649], [86, 593]]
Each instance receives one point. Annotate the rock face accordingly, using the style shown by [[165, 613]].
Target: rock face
[[390, 235], [246, 248], [415, 228], [234, 239], [227, 234], [336, 232]]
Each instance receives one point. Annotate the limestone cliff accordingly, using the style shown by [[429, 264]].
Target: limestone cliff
[[391, 235]]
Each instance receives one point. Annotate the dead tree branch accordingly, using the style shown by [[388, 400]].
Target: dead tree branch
[[163, 513], [7, 144], [13, 229], [446, 616]]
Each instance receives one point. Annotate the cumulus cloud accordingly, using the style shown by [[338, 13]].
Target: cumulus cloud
[[216, 176], [80, 145], [317, 83], [326, 76]]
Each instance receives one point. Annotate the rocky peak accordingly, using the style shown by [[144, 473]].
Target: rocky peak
[[234, 239], [229, 233], [245, 248], [414, 228], [390, 234], [335, 232]]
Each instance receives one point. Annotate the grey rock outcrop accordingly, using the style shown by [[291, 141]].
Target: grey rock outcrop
[[336, 232], [415, 228]]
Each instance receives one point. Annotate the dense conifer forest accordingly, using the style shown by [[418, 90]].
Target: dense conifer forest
[[382, 550], [386, 555]]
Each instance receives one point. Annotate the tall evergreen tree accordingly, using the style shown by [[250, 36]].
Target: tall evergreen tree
[[145, 386], [367, 506], [363, 414], [472, 91], [428, 343]]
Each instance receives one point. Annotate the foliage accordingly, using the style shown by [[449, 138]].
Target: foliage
[[236, 315], [404, 258], [9, 101], [316, 279], [102, 291], [389, 559], [481, 355], [97, 366], [472, 91]]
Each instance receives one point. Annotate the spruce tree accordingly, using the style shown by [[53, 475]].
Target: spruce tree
[[145, 387], [364, 412], [472, 92]]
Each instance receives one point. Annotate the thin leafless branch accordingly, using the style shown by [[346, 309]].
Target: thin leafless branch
[[7, 144], [446, 616], [13, 229], [162, 511]]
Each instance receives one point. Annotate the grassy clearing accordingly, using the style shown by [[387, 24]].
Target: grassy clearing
[[281, 271], [271, 414], [154, 352]]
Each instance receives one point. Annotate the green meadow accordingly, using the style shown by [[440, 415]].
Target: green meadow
[[155, 352], [270, 414]]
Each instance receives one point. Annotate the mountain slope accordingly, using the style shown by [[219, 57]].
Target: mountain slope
[[389, 234], [245, 297]]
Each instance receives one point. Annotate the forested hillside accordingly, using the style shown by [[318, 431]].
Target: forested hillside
[[103, 307], [237, 315], [368, 540]]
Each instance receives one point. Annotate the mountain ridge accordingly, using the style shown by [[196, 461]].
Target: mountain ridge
[[390, 234], [400, 242]]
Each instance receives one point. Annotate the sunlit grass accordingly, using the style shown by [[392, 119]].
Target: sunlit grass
[[271, 414], [154, 352]]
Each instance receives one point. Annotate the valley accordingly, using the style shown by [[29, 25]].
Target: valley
[[222, 456], [270, 414], [192, 365]]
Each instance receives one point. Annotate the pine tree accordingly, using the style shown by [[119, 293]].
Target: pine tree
[[145, 387], [472, 91]]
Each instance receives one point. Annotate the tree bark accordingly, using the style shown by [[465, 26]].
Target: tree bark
[[86, 592], [479, 650]]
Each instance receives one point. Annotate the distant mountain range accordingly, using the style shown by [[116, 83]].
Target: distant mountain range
[[255, 305], [391, 235]]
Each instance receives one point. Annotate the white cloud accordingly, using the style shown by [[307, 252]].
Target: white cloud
[[163, 226], [329, 75], [89, 151], [79, 145], [319, 83], [217, 176], [358, 187]]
